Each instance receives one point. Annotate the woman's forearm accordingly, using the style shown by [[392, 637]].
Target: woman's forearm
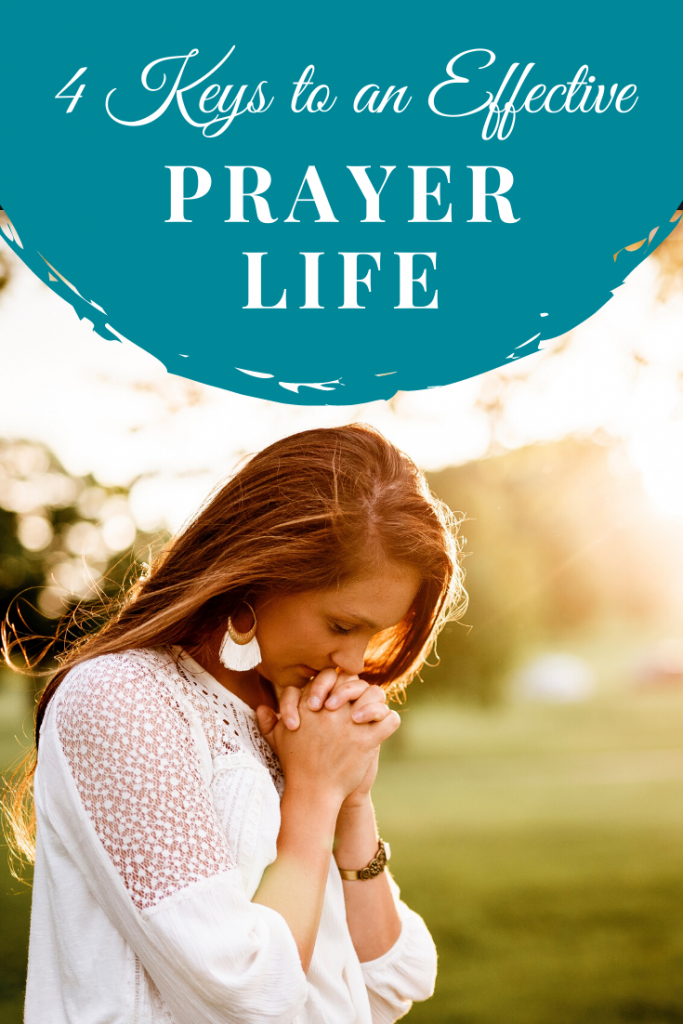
[[294, 884], [371, 912]]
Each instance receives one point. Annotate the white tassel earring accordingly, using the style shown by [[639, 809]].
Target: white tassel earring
[[240, 651]]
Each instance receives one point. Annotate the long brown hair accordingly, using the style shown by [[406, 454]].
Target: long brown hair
[[309, 512]]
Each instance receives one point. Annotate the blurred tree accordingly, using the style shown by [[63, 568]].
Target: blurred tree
[[63, 540], [558, 536]]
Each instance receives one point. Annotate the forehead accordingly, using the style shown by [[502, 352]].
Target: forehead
[[382, 598]]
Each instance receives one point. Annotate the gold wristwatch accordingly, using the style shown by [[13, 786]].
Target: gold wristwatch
[[374, 868]]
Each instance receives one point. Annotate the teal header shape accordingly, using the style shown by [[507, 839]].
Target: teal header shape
[[324, 204]]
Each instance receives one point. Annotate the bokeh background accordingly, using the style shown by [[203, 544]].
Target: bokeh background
[[533, 796]]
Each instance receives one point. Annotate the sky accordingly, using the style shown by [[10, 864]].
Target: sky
[[110, 409]]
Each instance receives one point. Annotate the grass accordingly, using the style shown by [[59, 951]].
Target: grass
[[542, 844]]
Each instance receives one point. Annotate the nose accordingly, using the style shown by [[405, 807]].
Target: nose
[[351, 657]]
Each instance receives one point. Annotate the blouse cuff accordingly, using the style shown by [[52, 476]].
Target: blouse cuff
[[414, 942], [407, 971]]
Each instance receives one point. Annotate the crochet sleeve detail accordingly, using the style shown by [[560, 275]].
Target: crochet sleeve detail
[[130, 749]]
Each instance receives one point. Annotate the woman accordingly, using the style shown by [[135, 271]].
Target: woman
[[206, 844]]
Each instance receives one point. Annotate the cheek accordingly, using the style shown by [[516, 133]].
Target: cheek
[[294, 641]]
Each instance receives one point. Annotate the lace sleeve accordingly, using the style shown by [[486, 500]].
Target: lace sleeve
[[136, 768], [120, 783]]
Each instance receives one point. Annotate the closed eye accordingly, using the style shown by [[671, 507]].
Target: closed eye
[[337, 628]]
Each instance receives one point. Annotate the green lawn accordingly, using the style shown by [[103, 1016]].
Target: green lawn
[[544, 847]]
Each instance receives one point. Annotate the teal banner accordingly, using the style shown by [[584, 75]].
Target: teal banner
[[328, 203]]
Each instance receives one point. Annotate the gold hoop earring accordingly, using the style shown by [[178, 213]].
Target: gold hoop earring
[[242, 639], [240, 651]]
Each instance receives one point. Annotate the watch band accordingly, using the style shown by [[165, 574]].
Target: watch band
[[374, 868]]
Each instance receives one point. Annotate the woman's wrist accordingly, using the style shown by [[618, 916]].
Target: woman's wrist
[[307, 820], [314, 802], [354, 803], [355, 817], [356, 835], [294, 883]]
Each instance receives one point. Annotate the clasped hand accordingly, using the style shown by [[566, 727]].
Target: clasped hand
[[365, 710]]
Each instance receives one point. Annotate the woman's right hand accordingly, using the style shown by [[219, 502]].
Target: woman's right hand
[[329, 752]]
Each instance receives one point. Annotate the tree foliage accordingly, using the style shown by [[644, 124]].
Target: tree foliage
[[559, 537], [64, 541]]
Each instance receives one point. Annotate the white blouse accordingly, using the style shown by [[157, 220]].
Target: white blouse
[[158, 807]]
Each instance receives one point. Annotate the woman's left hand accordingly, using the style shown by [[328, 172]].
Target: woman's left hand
[[332, 690], [371, 706]]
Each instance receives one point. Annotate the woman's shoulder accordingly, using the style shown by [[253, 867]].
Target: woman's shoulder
[[119, 689], [135, 665]]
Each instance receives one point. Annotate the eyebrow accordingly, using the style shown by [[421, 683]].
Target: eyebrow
[[361, 619]]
